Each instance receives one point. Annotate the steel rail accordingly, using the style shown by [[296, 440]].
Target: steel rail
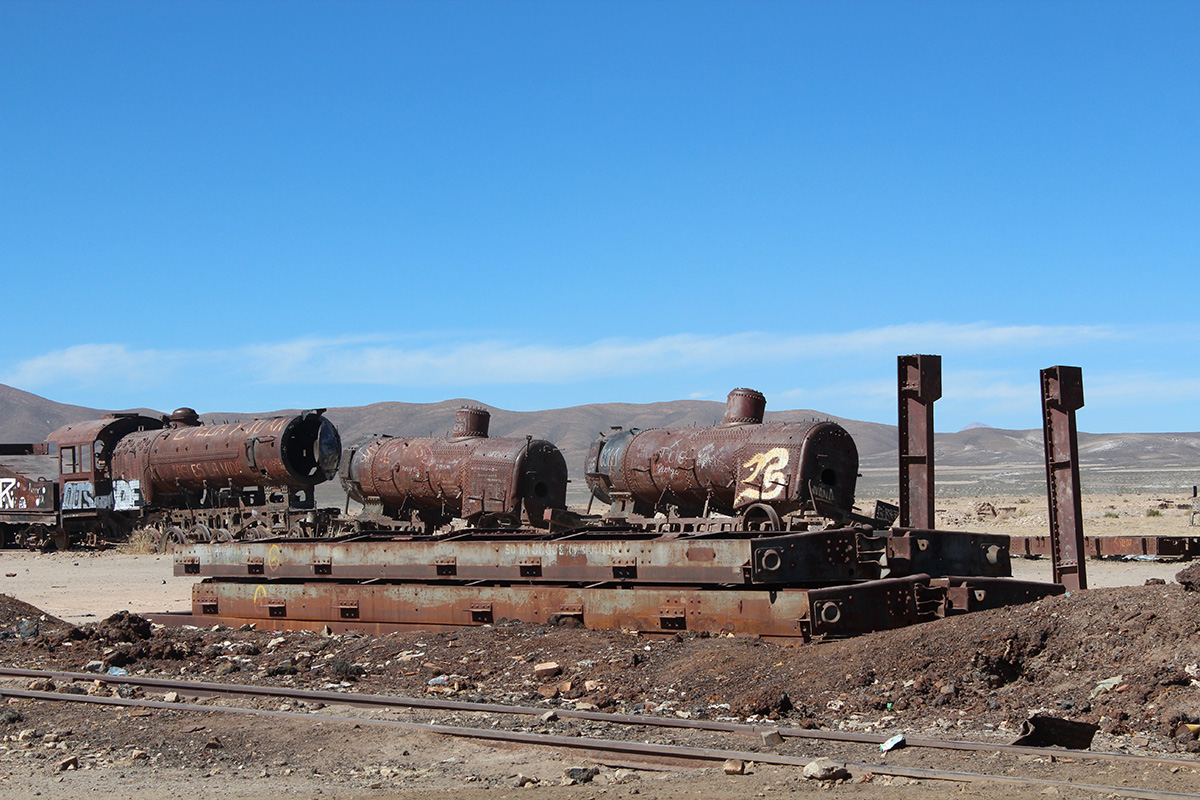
[[608, 745], [200, 688]]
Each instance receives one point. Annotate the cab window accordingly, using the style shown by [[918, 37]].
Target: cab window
[[85, 458], [67, 461]]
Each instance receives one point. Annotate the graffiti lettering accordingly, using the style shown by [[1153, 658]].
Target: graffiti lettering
[[8, 492], [81, 495], [767, 479], [127, 495]]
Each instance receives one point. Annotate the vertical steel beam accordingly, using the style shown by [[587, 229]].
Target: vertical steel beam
[[919, 383], [1062, 396]]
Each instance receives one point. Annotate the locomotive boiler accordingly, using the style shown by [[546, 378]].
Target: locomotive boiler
[[469, 476], [741, 466], [188, 460]]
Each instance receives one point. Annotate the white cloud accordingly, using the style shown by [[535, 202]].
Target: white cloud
[[95, 365], [417, 362]]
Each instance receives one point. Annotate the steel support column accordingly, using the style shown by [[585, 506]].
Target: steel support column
[[919, 384], [1062, 396]]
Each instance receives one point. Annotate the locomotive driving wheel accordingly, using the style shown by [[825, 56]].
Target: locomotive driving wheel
[[173, 538], [761, 517], [199, 533]]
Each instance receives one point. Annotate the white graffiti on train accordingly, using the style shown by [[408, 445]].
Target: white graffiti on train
[[8, 492]]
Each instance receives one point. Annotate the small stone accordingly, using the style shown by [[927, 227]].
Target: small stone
[[70, 762], [549, 716], [591, 686], [525, 780], [547, 669], [825, 769], [625, 776], [171, 697], [94, 666], [26, 735], [278, 640], [733, 766], [548, 691], [139, 755], [213, 744], [583, 705], [579, 775], [772, 738]]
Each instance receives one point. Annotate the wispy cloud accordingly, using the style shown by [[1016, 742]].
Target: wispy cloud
[[492, 361]]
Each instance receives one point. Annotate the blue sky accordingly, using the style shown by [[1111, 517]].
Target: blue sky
[[248, 206]]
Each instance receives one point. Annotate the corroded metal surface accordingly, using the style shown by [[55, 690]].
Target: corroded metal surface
[[430, 607], [813, 558], [786, 613], [467, 476], [919, 385], [302, 450], [727, 468], [1164, 547], [1062, 396]]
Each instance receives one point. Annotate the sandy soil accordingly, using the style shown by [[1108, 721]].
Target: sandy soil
[[973, 677]]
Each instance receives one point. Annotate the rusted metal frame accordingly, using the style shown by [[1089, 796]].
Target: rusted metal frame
[[636, 749], [974, 593], [680, 561], [788, 613], [1164, 547], [1062, 396], [796, 559], [373, 607], [919, 384], [357, 700], [913, 550]]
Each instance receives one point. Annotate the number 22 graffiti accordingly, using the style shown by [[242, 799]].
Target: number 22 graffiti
[[767, 478]]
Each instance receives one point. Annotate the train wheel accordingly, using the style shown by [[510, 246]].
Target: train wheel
[[256, 532], [173, 538], [199, 533], [222, 535], [761, 517]]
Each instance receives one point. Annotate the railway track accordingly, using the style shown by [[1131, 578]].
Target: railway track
[[670, 754]]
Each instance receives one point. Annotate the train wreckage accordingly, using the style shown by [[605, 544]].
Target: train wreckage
[[742, 528]]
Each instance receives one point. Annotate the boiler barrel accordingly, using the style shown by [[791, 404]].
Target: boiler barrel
[[303, 450]]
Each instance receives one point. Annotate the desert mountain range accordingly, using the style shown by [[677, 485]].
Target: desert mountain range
[[978, 460]]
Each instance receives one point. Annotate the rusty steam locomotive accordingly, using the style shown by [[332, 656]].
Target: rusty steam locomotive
[[172, 478], [182, 482], [740, 467], [424, 484]]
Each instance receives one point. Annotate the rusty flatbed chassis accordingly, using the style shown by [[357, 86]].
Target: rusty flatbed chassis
[[811, 558], [1162, 547], [786, 613]]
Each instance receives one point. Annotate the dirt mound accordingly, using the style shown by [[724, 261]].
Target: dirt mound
[[21, 621], [1124, 659], [123, 627]]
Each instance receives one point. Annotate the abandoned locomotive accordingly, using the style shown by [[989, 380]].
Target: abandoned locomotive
[[424, 484], [174, 479], [743, 466]]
